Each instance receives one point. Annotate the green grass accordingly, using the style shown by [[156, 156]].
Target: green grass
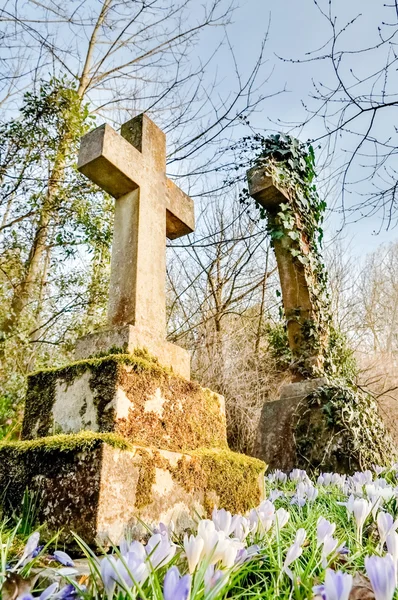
[[260, 577]]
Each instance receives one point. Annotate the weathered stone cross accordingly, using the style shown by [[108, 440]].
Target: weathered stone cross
[[149, 206], [296, 296]]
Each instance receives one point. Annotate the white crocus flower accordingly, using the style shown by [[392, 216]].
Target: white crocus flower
[[329, 546], [361, 509], [281, 517], [193, 547]]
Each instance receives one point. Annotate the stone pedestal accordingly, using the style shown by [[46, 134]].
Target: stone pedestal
[[132, 396], [100, 487], [129, 338], [109, 442], [275, 442]]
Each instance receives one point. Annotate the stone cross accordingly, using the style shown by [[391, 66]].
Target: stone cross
[[296, 296], [149, 206]]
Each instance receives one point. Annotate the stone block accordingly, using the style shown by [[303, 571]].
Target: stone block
[[130, 395], [263, 189], [99, 486], [275, 442], [130, 338]]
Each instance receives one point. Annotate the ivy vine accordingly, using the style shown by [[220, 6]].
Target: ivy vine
[[346, 431], [291, 164]]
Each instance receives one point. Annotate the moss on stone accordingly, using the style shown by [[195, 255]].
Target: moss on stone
[[146, 479], [41, 390], [191, 417], [84, 440], [230, 479]]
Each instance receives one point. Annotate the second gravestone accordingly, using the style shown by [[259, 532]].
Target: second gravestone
[[122, 434]]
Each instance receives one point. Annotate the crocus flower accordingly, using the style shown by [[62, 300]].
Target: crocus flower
[[392, 547], [108, 571], [281, 517], [378, 469], [63, 558], [385, 524], [324, 479], [294, 552], [69, 592], [242, 528], [212, 577], [224, 521], [176, 587], [324, 529], [361, 509], [381, 572], [329, 546], [275, 494], [193, 547], [337, 586], [301, 534], [45, 595], [29, 550], [160, 550], [245, 554]]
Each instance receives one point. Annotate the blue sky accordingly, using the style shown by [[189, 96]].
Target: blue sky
[[296, 28]]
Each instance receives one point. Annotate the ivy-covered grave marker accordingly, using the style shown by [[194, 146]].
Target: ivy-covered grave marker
[[122, 436], [322, 420]]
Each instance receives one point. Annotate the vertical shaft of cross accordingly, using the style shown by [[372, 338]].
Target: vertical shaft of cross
[[131, 166], [138, 266], [298, 305], [296, 298]]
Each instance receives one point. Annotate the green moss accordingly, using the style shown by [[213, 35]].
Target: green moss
[[85, 440], [146, 479], [229, 479], [190, 417], [140, 360]]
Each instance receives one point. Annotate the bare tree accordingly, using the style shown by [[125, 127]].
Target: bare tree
[[122, 58], [354, 103], [222, 296]]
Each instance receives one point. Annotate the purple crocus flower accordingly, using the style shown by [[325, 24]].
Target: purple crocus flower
[[45, 595], [337, 586], [29, 550], [176, 587], [63, 558], [381, 572], [108, 573], [69, 592], [49, 591], [324, 529]]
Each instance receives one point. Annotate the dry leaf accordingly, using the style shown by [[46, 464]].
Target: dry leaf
[[15, 586], [361, 588]]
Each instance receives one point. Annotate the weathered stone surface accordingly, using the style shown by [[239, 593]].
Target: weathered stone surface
[[131, 167], [131, 338], [275, 443], [98, 490], [263, 189], [129, 395], [298, 305]]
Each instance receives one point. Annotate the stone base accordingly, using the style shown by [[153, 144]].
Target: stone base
[[130, 395], [275, 441], [128, 338], [98, 486]]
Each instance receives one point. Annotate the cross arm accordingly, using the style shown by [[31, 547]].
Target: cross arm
[[110, 161], [180, 213], [263, 189]]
